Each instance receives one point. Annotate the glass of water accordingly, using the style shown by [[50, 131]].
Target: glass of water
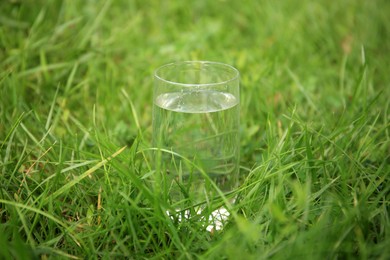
[[196, 129]]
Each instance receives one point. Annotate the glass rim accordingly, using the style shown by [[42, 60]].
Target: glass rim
[[235, 76]]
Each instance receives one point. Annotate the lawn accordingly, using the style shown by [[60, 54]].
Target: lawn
[[76, 160]]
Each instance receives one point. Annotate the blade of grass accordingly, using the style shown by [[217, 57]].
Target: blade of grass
[[45, 214], [70, 184]]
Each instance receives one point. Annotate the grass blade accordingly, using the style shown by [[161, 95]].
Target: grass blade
[[85, 174]]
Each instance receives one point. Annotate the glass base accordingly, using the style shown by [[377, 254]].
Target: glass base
[[215, 221]]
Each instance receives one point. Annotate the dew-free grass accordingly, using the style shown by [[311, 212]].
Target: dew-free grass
[[75, 128]]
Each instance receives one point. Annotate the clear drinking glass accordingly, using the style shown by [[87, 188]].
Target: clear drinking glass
[[196, 129]]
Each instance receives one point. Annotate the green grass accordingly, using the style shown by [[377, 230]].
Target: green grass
[[75, 128]]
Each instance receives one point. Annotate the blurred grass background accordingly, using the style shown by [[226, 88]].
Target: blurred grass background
[[76, 86]]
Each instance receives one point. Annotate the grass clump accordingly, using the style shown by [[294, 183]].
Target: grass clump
[[75, 127]]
